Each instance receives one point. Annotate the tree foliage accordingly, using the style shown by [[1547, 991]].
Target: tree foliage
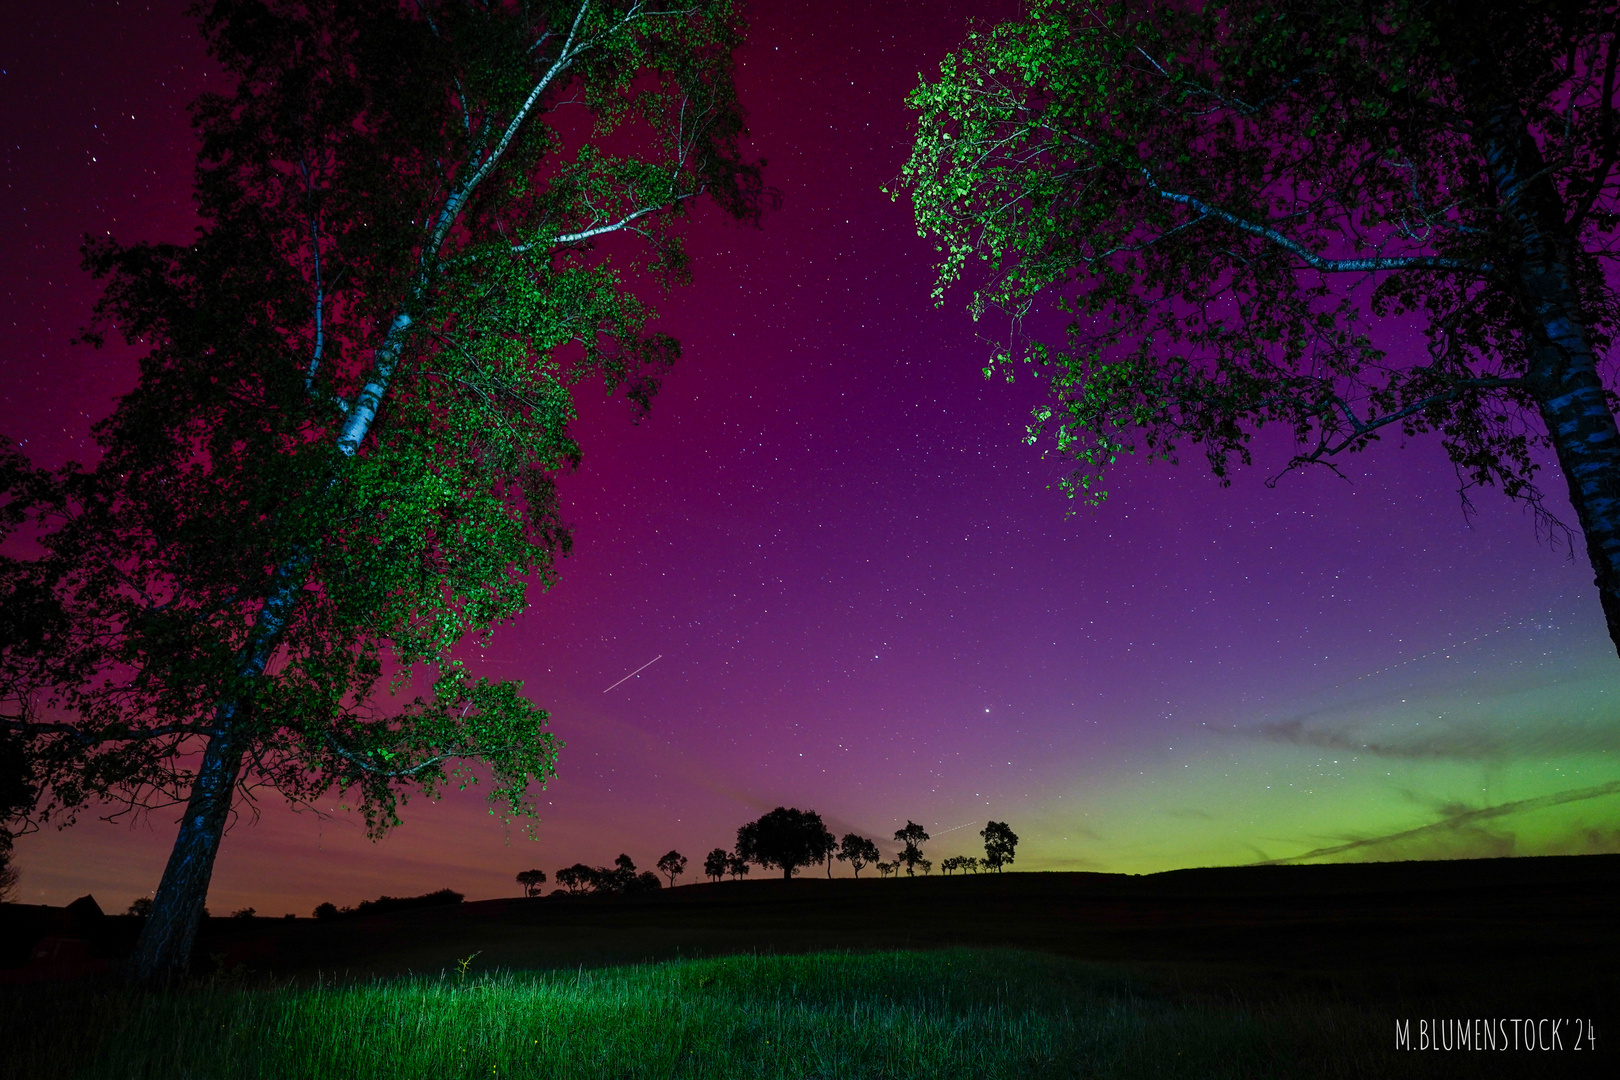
[[912, 838], [858, 851], [826, 848], [576, 879], [531, 880], [622, 878], [1232, 200], [338, 462], [715, 864], [999, 844], [786, 838], [672, 865]]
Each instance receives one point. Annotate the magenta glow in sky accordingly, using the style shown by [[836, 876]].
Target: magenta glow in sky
[[866, 595]]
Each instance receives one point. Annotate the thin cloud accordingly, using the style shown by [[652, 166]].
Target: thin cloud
[[1450, 741], [1459, 820]]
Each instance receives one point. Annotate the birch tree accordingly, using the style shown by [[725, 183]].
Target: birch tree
[[1228, 199], [425, 226]]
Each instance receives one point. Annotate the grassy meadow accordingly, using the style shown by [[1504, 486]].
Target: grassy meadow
[[1242, 973], [958, 1013], [951, 1013]]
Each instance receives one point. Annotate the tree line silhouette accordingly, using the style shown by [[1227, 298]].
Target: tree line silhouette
[[786, 839]]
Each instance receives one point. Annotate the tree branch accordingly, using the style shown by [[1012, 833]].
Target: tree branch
[[1611, 142], [387, 774], [369, 400], [1362, 429], [1310, 258], [30, 728], [610, 227]]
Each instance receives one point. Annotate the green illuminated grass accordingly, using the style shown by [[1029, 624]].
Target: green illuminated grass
[[958, 1013]]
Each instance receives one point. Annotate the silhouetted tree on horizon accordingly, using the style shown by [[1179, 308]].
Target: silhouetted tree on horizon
[[786, 838], [576, 879], [531, 880], [621, 878], [715, 864], [826, 848], [672, 866], [912, 836], [999, 842], [858, 851]]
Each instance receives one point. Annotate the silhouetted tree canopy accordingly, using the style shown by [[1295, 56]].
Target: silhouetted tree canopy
[[785, 839], [672, 865], [825, 848], [858, 851], [912, 837], [621, 877], [999, 844], [576, 879], [531, 880]]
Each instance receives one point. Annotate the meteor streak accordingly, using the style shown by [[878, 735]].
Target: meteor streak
[[638, 670], [954, 828]]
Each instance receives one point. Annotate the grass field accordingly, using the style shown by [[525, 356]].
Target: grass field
[[952, 1013], [1277, 972]]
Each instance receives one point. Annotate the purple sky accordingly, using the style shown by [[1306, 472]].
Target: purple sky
[[866, 595]]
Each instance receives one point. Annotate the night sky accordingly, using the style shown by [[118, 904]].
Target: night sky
[[868, 597]]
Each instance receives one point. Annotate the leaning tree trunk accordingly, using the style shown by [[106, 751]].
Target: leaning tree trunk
[[1562, 371], [165, 944], [164, 948], [163, 951], [1585, 437]]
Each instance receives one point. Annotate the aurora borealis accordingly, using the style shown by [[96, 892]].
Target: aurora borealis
[[868, 596]]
